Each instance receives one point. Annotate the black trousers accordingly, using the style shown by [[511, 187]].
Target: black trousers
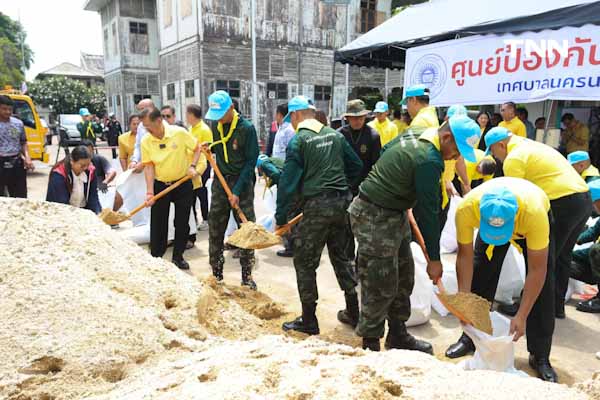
[[13, 177], [486, 273], [181, 197], [202, 194], [570, 216]]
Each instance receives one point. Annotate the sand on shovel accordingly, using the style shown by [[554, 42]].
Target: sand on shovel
[[111, 217], [253, 236], [474, 308]]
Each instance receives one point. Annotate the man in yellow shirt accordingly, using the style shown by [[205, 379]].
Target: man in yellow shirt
[[399, 122], [580, 160], [203, 134], [482, 170], [511, 121], [386, 129], [568, 193], [416, 100], [127, 142], [166, 160], [509, 210], [576, 135]]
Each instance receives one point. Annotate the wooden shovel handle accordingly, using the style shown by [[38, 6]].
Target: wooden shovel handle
[[421, 242], [160, 195], [286, 227], [221, 178]]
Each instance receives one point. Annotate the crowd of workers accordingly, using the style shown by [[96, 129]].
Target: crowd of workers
[[363, 183]]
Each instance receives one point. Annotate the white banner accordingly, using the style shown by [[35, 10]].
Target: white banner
[[533, 66]]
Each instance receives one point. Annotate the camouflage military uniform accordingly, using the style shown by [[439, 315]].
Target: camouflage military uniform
[[323, 224], [219, 216], [385, 266]]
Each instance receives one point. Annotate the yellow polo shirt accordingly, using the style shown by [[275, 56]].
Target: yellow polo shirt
[[203, 134], [472, 172], [531, 222], [426, 118], [169, 155], [387, 130], [578, 139], [126, 146], [516, 126], [544, 166], [590, 171], [401, 125]]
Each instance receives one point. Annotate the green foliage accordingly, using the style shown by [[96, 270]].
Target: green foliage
[[14, 32], [10, 64], [67, 96]]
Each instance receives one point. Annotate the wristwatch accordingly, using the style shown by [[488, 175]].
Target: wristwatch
[[193, 166]]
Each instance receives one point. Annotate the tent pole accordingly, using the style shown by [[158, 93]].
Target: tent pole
[[331, 98]]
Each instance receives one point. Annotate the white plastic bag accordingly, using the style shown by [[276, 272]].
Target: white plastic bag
[[512, 277], [448, 243], [492, 352], [132, 188], [420, 299]]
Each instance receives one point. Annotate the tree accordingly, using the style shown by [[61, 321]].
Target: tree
[[66, 96], [15, 54]]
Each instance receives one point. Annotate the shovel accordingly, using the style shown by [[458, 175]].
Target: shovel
[[111, 217], [442, 291]]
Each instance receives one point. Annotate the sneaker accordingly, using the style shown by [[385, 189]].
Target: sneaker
[[203, 226]]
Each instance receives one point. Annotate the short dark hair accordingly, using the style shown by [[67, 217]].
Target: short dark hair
[[567, 117], [131, 117], [152, 113], [397, 113], [87, 143], [80, 152], [168, 107], [282, 109], [540, 119], [195, 110], [422, 99], [236, 104], [6, 101], [488, 166], [523, 110], [511, 104]]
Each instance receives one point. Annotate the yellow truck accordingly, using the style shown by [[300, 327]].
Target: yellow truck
[[35, 130]]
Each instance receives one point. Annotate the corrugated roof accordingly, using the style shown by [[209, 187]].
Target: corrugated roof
[[93, 63], [68, 69]]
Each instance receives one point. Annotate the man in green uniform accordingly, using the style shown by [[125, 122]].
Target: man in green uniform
[[318, 160], [406, 176], [235, 147], [87, 128]]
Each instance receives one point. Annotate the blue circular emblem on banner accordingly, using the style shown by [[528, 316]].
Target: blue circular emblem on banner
[[430, 70]]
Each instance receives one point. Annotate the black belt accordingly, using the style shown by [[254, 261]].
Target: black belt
[[329, 195], [9, 158], [169, 183]]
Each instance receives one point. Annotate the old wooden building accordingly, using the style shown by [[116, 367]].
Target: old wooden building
[[199, 46]]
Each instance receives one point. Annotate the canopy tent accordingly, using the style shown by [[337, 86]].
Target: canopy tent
[[439, 20]]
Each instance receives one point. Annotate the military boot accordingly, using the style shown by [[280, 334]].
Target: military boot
[[217, 269], [247, 278], [306, 323], [349, 316], [371, 344], [399, 338]]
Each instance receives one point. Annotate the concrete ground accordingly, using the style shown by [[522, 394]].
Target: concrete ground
[[575, 339]]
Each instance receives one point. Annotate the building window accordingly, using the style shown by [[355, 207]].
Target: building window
[[231, 87], [110, 101], [186, 8], [277, 91], [106, 52], [167, 13], [368, 15], [114, 38], [137, 98], [189, 89], [118, 100], [138, 37], [171, 91], [322, 93]]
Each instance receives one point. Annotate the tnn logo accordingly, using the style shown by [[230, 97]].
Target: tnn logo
[[540, 47]]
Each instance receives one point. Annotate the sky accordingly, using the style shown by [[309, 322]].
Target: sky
[[57, 30]]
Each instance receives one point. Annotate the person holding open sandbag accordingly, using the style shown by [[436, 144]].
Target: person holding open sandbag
[[510, 210]]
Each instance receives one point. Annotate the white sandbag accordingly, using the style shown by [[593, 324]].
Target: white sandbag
[[270, 200], [107, 200], [132, 188], [138, 234], [512, 277], [448, 243], [450, 283], [231, 226], [492, 352], [577, 287], [420, 299], [268, 221]]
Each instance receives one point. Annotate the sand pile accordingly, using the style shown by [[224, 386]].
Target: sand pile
[[591, 387], [473, 308], [253, 236], [87, 315]]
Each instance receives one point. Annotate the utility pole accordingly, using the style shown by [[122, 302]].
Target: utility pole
[[254, 83], [347, 41]]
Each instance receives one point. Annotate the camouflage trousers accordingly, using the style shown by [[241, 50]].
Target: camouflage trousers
[[385, 266], [218, 217], [323, 224]]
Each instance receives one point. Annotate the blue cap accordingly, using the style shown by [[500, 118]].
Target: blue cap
[[457, 109], [297, 103], [595, 189], [218, 104], [498, 210], [578, 156], [495, 135], [261, 160], [466, 134], [381, 107], [84, 112], [414, 91]]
